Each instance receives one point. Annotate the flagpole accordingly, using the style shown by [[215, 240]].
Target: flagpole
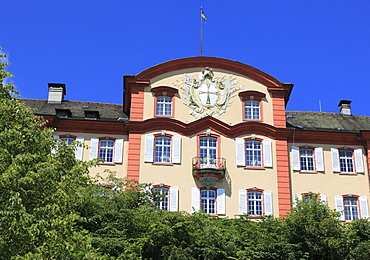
[[201, 31]]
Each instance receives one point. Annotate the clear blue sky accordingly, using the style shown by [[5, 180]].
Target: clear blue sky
[[323, 47]]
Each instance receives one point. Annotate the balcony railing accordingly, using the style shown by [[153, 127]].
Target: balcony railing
[[209, 164]]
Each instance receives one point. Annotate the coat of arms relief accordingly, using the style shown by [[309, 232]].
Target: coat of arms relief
[[206, 94]]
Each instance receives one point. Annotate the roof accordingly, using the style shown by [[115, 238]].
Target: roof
[[323, 121], [106, 111]]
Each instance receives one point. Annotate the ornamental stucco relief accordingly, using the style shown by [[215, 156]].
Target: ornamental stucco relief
[[206, 94]]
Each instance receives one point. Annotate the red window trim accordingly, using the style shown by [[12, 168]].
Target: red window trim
[[158, 91], [160, 135], [108, 138], [246, 95], [345, 148], [314, 159], [262, 167], [213, 136], [159, 186], [263, 201], [172, 106]]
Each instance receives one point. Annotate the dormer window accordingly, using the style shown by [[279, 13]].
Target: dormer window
[[252, 105], [63, 113], [164, 101], [92, 115]]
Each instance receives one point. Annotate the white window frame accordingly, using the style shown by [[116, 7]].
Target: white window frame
[[307, 161], [252, 110], [163, 193], [338, 161], [163, 106], [208, 151], [351, 209], [117, 149], [162, 149], [346, 162], [318, 159], [255, 203], [253, 152], [175, 150], [220, 207], [208, 201], [266, 152], [267, 203]]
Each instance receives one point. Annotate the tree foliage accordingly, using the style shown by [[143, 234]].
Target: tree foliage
[[51, 209]]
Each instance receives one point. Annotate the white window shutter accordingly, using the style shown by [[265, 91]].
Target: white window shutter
[[364, 207], [295, 158], [339, 206], [195, 200], [174, 198], [176, 149], [149, 146], [319, 156], [79, 149], [94, 148], [118, 150], [335, 159], [242, 202], [297, 196], [358, 161], [267, 153], [221, 201], [53, 151], [240, 153], [268, 202], [323, 199]]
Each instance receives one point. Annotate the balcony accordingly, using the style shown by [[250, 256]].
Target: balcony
[[209, 165]]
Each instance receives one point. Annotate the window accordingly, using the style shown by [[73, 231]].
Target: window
[[253, 152], [208, 200], [255, 202], [252, 101], [92, 115], [63, 113], [307, 159], [208, 152], [164, 106], [68, 139], [107, 148], [161, 198], [164, 100], [351, 207], [162, 148], [252, 110], [307, 197], [346, 160]]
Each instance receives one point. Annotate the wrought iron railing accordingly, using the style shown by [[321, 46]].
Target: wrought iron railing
[[209, 163]]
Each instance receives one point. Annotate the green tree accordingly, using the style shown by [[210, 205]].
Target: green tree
[[39, 191], [316, 231]]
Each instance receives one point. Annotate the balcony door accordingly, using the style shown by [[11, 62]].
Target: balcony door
[[208, 152]]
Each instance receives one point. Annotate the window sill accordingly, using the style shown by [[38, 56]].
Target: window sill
[[106, 163], [254, 167], [308, 172], [348, 173], [159, 163], [253, 120], [163, 116]]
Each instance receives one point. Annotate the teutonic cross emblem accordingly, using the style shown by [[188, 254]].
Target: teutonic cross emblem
[[207, 95]]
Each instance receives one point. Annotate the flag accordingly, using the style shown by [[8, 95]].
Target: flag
[[203, 16]]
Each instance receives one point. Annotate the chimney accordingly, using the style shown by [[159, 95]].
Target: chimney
[[345, 107], [56, 92]]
